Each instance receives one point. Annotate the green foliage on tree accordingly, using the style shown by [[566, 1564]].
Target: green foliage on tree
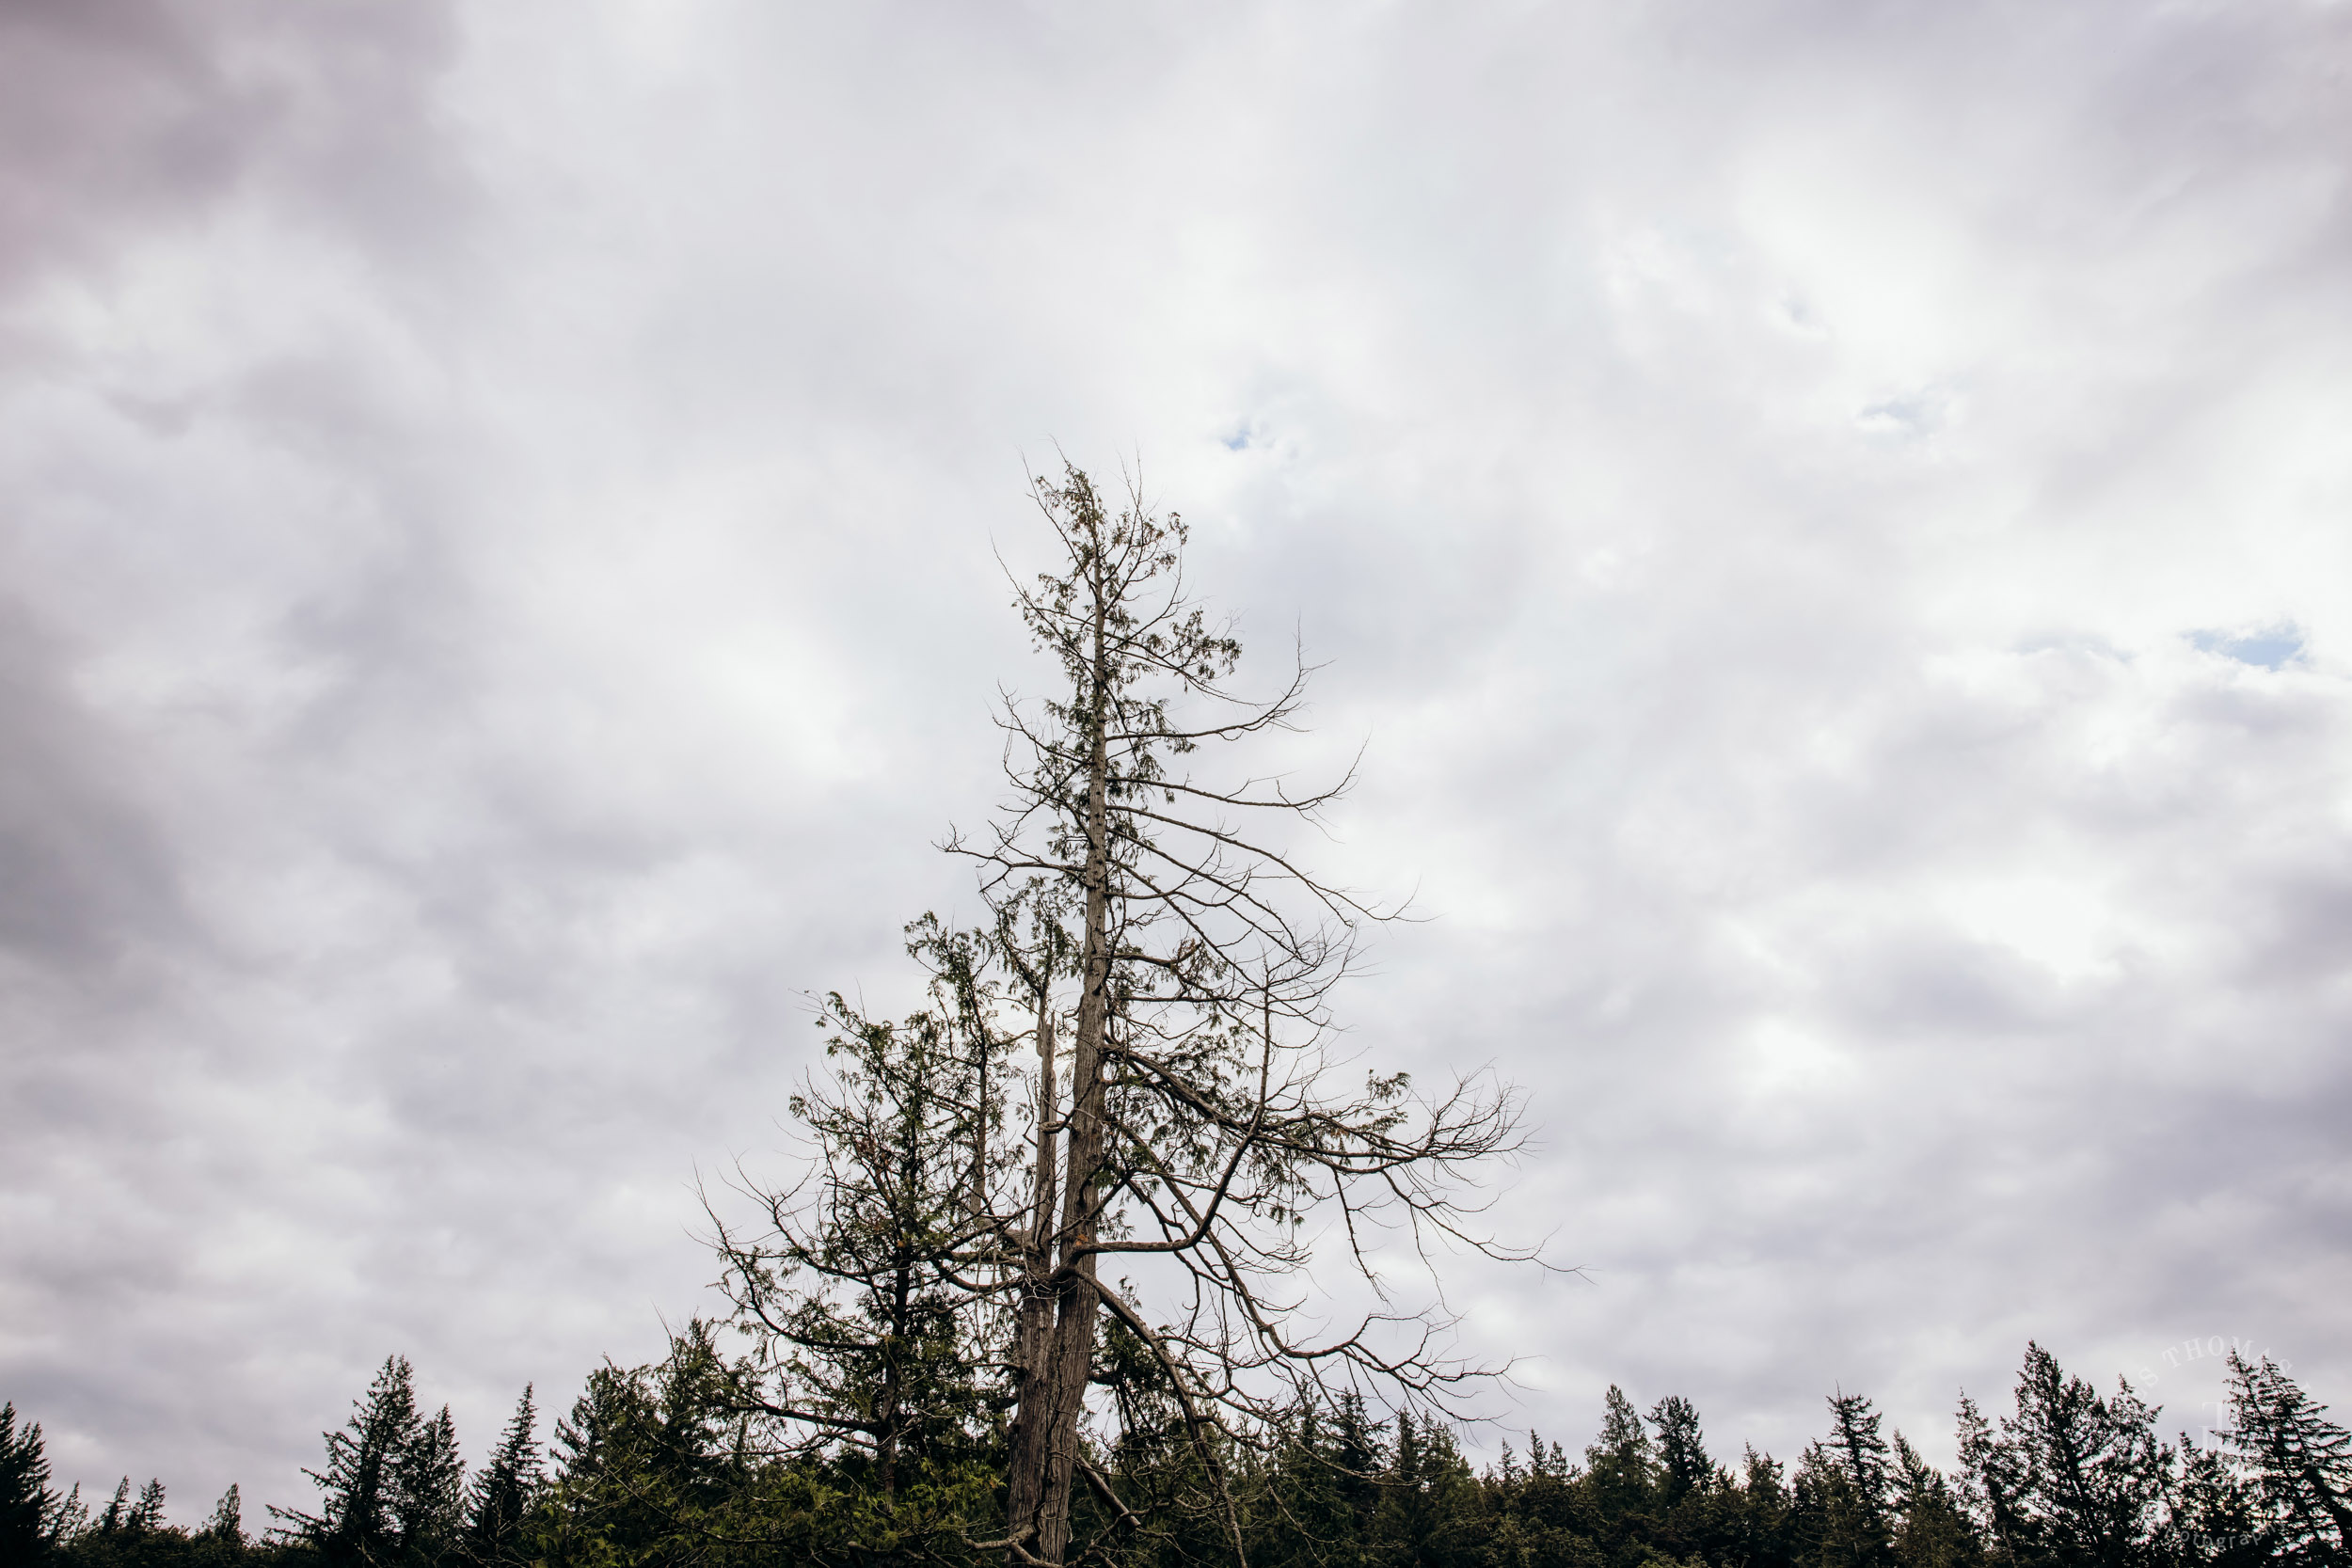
[[2297, 1465], [505, 1493], [1842, 1488], [874, 1343], [31, 1512], [667, 1464], [2073, 1479], [1930, 1525], [393, 1491]]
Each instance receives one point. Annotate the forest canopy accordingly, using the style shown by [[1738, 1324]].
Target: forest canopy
[[655, 1465]]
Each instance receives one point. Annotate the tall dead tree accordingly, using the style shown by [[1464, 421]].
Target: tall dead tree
[[1170, 965]]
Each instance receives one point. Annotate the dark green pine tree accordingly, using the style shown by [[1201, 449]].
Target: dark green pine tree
[[227, 1525], [1359, 1454], [853, 1290], [2298, 1462], [1303, 1520], [654, 1466], [1830, 1524], [1541, 1517], [129, 1532], [1760, 1527], [363, 1514], [1843, 1486], [1620, 1480], [1860, 1451], [1683, 1467], [30, 1510], [503, 1493], [1698, 1505], [430, 1505], [1428, 1514], [602, 1490], [1317, 1492], [115, 1518], [2072, 1481], [1932, 1529], [147, 1514], [2217, 1518]]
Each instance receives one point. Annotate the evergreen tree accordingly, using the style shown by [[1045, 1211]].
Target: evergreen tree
[[636, 1459], [1833, 1523], [1759, 1529], [1683, 1467], [1699, 1509], [147, 1514], [1841, 1492], [2218, 1517], [115, 1518], [364, 1515], [29, 1510], [129, 1532], [1859, 1451], [429, 1503], [2072, 1481], [665, 1464], [1305, 1520], [72, 1516], [1611, 1500], [857, 1295], [595, 1510], [503, 1493], [1539, 1516], [1429, 1514], [1934, 1530], [2298, 1462], [1357, 1455], [1620, 1467], [227, 1525]]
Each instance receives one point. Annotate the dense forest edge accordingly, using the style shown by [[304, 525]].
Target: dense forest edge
[[663, 1463]]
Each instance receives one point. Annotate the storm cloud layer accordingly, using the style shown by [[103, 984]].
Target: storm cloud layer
[[1828, 522]]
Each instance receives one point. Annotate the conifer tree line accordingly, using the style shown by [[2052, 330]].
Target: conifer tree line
[[1049, 1292], [662, 1465]]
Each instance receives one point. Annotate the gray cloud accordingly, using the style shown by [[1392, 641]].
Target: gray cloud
[[84, 865]]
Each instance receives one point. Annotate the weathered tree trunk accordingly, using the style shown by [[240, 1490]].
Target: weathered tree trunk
[[1054, 1383], [1034, 1320]]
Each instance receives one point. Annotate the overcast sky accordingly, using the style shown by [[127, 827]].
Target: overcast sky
[[1830, 520]]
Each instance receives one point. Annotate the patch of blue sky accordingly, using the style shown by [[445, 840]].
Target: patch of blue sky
[[2268, 648]]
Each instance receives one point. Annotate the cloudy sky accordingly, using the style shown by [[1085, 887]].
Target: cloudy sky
[[1829, 520]]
